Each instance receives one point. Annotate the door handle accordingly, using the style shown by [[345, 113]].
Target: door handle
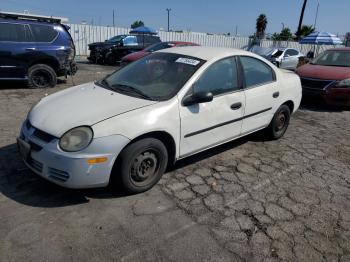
[[30, 48], [276, 94], [236, 106]]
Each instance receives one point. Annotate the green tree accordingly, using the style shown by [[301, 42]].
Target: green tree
[[306, 30], [284, 35], [137, 24], [261, 24]]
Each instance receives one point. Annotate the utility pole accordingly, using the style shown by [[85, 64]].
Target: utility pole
[[236, 30], [318, 5], [113, 19], [168, 10], [301, 18]]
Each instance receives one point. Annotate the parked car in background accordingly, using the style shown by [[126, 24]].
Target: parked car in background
[[328, 77], [286, 58], [163, 107], [155, 47], [35, 48], [111, 51]]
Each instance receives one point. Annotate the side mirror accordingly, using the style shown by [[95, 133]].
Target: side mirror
[[286, 56], [197, 98]]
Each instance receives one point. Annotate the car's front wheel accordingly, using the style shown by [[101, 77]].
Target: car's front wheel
[[142, 164], [41, 76], [279, 123]]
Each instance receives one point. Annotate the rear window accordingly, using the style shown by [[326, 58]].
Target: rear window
[[43, 33], [14, 32]]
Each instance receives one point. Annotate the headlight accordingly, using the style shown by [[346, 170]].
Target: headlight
[[76, 139], [343, 83]]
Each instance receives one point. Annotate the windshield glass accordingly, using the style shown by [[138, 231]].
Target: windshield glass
[[158, 76], [277, 54], [116, 38], [333, 58]]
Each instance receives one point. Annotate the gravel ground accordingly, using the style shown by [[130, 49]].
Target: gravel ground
[[248, 200]]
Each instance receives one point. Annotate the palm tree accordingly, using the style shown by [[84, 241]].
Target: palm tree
[[301, 19], [306, 30], [261, 24]]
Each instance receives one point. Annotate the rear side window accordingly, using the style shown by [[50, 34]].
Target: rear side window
[[14, 32], [43, 33], [256, 72]]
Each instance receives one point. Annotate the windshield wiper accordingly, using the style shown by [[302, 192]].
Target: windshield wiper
[[133, 90]]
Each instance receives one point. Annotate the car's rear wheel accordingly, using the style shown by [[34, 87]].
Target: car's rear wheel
[[142, 164], [279, 123], [41, 76]]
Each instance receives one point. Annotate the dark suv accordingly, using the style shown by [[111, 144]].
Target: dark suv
[[37, 49], [112, 50]]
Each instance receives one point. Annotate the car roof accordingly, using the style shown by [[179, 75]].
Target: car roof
[[27, 21], [205, 53]]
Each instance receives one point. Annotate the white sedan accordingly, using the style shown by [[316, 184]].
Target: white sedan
[[169, 105]]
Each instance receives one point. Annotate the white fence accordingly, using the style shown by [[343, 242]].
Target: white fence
[[86, 34]]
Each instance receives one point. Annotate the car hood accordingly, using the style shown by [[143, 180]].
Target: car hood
[[135, 56], [324, 72], [86, 104]]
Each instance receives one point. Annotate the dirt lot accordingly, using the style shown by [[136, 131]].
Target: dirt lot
[[249, 200]]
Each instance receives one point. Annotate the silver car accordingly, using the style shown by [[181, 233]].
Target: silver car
[[286, 58]]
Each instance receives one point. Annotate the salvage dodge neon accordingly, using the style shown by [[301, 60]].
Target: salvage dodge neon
[[171, 104]]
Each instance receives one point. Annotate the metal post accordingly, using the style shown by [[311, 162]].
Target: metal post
[[168, 10], [318, 5]]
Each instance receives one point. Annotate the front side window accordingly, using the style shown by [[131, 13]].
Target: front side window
[[43, 33], [333, 58], [291, 52], [219, 78], [14, 32], [158, 76], [256, 72]]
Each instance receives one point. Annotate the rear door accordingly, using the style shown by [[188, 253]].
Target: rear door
[[261, 92], [15, 50]]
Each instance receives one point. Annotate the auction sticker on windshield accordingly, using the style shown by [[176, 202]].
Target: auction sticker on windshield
[[187, 61]]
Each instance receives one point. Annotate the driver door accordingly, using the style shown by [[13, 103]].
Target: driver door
[[205, 125]]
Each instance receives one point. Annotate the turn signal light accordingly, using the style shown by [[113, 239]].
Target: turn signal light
[[98, 160]]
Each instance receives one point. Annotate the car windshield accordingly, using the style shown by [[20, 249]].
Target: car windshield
[[333, 58], [278, 53], [158, 76], [116, 38]]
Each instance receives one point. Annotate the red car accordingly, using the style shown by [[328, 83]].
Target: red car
[[158, 46], [328, 76]]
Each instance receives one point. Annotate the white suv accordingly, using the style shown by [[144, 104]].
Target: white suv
[[159, 109]]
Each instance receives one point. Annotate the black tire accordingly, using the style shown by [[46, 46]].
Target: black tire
[[110, 59], [41, 76], [279, 123], [141, 165]]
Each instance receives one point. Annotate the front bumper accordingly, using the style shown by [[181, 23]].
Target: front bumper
[[332, 96], [72, 170]]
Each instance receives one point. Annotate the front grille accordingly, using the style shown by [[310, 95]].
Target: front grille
[[43, 136], [35, 164], [315, 83], [57, 174]]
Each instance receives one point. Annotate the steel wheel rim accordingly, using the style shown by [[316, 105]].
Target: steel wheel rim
[[281, 122], [144, 168]]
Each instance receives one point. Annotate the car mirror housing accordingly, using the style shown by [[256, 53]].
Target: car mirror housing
[[197, 98]]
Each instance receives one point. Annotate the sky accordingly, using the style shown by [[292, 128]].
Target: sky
[[214, 16]]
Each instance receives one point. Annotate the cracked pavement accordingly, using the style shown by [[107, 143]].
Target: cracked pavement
[[248, 200]]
